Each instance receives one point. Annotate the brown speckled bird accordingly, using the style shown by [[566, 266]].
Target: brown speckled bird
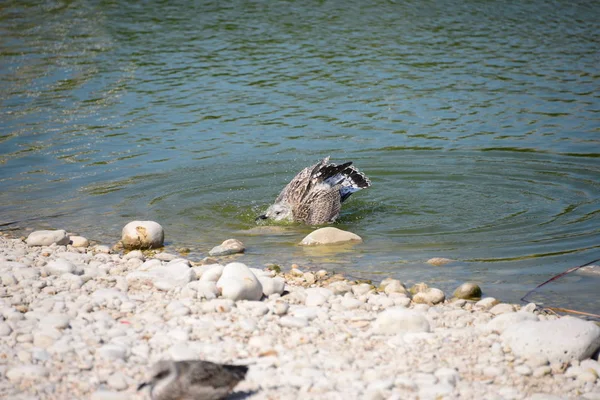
[[316, 194], [193, 380]]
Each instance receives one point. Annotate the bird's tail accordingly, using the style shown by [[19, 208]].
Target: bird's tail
[[349, 177]]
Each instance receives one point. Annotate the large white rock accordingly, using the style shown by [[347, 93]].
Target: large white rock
[[142, 235], [329, 235], [237, 282], [503, 321], [560, 340], [400, 320], [46, 238]]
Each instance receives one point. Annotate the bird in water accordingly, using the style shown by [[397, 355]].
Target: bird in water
[[316, 194], [193, 380]]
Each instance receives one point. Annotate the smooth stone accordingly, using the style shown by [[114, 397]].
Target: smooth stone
[[213, 273], [239, 283], [79, 241], [561, 340], [109, 395], [486, 303], [204, 289], [502, 308], [429, 296], [47, 238], [468, 291], [134, 254], [142, 235], [58, 321], [293, 322], [272, 285], [61, 266], [228, 247], [350, 303], [340, 287], [117, 381], [26, 372], [280, 308], [394, 286], [109, 294], [400, 320], [112, 352], [329, 235], [5, 329], [361, 289], [502, 322], [175, 274]]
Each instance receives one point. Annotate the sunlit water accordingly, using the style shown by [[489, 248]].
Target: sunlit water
[[478, 123]]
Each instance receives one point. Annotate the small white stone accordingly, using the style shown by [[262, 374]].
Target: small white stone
[[429, 296], [47, 238], [61, 266], [523, 370], [79, 241], [213, 273], [502, 308], [503, 321], [5, 329], [237, 282], [486, 303], [117, 381], [112, 352], [228, 247], [293, 322], [26, 372], [400, 320], [280, 308], [272, 285]]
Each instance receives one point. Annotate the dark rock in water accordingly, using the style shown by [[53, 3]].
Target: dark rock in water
[[468, 291]]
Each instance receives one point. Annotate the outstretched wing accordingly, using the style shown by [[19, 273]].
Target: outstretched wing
[[298, 187], [321, 205]]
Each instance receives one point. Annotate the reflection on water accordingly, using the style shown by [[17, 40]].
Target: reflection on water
[[477, 123]]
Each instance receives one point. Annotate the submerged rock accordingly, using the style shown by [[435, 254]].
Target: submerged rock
[[438, 261], [228, 247], [46, 238], [142, 235], [329, 235]]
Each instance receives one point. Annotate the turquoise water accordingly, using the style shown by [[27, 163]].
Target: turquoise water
[[478, 123]]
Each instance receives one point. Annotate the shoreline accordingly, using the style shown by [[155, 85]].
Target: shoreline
[[84, 322]]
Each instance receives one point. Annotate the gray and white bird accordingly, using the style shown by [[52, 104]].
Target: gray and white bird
[[193, 380], [316, 194]]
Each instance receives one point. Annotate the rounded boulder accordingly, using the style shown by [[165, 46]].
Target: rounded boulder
[[142, 235]]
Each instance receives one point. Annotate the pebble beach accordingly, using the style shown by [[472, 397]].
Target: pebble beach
[[81, 321]]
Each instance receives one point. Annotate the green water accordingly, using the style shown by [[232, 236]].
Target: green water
[[478, 123]]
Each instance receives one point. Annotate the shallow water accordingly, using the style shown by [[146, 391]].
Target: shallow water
[[477, 122]]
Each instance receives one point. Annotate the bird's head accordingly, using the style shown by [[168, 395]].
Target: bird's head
[[278, 212], [161, 374]]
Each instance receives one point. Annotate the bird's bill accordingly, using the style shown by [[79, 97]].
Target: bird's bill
[[261, 217], [142, 385]]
